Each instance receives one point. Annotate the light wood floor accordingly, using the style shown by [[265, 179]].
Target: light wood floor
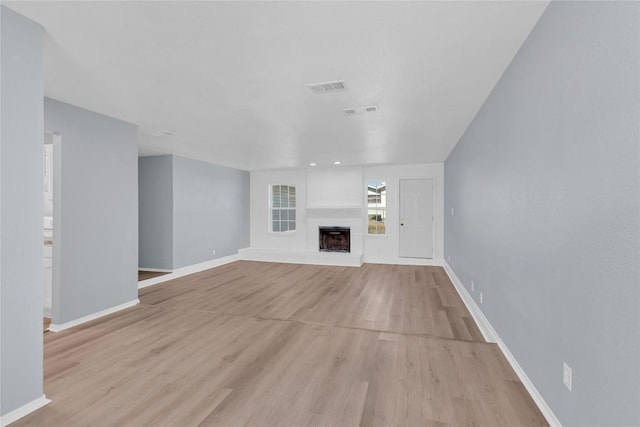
[[289, 345], [144, 275]]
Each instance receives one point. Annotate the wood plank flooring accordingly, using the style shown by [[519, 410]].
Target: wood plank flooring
[[392, 298], [144, 275], [262, 344]]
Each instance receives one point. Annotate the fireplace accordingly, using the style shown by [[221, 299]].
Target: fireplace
[[335, 239]]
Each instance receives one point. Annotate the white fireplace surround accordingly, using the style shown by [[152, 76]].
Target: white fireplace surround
[[335, 199], [327, 220], [316, 218]]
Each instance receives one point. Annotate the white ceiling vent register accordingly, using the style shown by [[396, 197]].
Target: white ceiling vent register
[[327, 87], [359, 110]]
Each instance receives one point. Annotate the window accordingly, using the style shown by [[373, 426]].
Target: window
[[377, 207], [374, 199], [283, 208]]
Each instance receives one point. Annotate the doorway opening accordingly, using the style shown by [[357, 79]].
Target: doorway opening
[[50, 220]]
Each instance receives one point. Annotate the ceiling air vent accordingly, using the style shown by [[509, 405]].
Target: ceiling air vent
[[327, 87], [359, 110]]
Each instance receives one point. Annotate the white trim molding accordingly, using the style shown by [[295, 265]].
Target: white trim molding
[[24, 410], [373, 259], [90, 317], [189, 269], [155, 270], [492, 336]]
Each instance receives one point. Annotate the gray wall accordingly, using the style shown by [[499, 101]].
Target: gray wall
[[95, 212], [210, 211], [545, 186], [155, 198], [21, 244]]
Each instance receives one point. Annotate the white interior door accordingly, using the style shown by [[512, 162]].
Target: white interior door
[[416, 218]]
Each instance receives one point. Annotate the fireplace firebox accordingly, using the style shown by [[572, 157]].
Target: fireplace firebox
[[335, 239]]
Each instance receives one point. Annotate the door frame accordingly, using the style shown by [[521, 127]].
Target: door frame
[[56, 281]]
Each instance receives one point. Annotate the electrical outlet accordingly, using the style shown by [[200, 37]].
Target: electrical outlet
[[449, 257], [481, 298], [567, 375], [213, 252], [451, 211], [473, 288]]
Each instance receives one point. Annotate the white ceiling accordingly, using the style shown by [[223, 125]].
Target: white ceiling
[[229, 78]]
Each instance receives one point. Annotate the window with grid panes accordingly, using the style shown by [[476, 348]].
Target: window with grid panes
[[377, 207], [283, 208]]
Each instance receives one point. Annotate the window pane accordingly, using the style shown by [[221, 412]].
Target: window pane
[[292, 197], [376, 204], [376, 193], [283, 202], [276, 197]]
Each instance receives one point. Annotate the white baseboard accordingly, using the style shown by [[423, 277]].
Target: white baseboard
[[492, 336], [90, 317], [155, 270], [489, 334], [328, 258], [402, 261], [301, 257], [24, 410], [190, 269]]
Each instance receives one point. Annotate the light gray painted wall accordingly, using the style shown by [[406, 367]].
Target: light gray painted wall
[[155, 198], [95, 212], [210, 211], [545, 186], [21, 210]]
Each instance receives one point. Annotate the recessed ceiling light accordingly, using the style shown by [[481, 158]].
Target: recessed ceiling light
[[312, 164], [326, 87], [336, 163]]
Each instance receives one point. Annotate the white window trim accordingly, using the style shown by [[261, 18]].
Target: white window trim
[[366, 210], [270, 219]]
